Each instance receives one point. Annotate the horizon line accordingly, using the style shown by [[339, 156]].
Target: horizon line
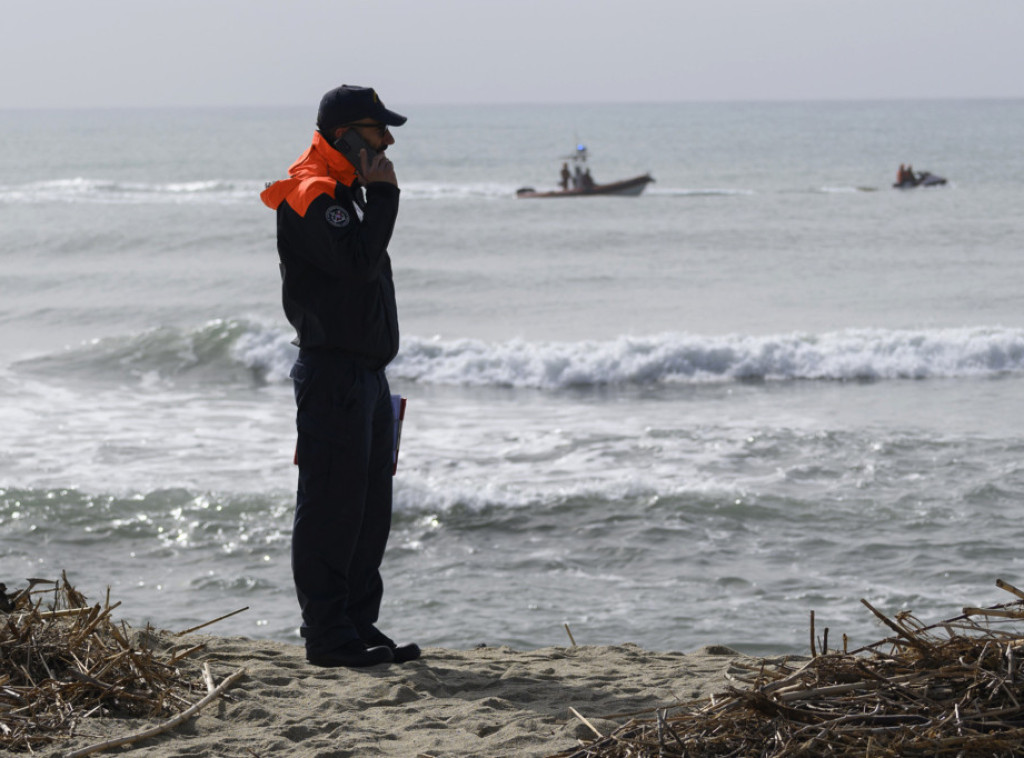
[[535, 103]]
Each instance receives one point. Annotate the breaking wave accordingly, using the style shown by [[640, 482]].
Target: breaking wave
[[247, 350], [846, 355]]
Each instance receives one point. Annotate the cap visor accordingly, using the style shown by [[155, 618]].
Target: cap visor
[[392, 119]]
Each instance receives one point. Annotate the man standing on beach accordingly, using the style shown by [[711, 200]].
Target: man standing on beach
[[339, 294]]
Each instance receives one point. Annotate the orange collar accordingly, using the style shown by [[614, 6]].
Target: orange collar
[[320, 159], [315, 173]]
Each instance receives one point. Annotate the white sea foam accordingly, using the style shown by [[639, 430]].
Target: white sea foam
[[847, 355], [266, 350], [451, 191], [698, 192], [85, 190], [846, 190]]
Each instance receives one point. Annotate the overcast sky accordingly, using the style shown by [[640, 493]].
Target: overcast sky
[[77, 53]]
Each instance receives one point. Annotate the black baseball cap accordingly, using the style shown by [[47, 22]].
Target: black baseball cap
[[349, 103]]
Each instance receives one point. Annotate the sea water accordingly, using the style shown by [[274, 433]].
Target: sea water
[[770, 385]]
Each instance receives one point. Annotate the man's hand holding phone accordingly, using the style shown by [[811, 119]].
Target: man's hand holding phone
[[377, 168], [371, 165]]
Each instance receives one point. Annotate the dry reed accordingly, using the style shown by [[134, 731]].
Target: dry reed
[[955, 688], [64, 661]]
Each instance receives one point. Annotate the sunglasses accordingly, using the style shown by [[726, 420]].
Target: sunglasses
[[382, 129]]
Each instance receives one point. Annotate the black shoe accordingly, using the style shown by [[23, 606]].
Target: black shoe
[[352, 654], [402, 653]]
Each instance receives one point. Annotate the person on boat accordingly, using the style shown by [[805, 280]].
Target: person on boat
[[905, 177], [587, 181], [577, 177], [564, 183]]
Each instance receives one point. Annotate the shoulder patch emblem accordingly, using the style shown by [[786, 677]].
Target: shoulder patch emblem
[[337, 216]]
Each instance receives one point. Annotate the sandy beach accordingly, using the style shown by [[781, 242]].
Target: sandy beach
[[487, 701]]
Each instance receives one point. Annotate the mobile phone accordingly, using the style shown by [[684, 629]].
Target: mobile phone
[[350, 143]]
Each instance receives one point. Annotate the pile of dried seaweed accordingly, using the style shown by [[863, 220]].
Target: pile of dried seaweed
[[63, 660], [955, 688]]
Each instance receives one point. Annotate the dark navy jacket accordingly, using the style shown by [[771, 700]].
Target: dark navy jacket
[[337, 286]]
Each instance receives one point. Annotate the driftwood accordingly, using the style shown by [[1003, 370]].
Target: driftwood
[[181, 718], [955, 688], [70, 662]]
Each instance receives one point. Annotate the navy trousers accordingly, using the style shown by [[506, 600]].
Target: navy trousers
[[343, 507]]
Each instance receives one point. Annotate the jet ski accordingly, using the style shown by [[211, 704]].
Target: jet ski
[[922, 179]]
